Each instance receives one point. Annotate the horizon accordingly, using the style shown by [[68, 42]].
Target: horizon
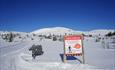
[[61, 27], [28, 16]]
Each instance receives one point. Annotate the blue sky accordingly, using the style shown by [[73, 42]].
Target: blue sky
[[29, 15]]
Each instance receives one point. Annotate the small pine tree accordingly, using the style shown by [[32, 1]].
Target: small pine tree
[[34, 34], [49, 37], [113, 33], [32, 38], [10, 37], [90, 35], [83, 34], [65, 33], [27, 35], [54, 38], [20, 37], [60, 39], [109, 34]]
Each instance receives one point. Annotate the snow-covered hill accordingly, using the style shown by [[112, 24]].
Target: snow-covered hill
[[56, 31], [63, 31]]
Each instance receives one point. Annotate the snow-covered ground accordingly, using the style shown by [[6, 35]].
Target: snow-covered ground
[[16, 56]]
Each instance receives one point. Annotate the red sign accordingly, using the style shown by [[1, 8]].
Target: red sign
[[72, 37], [73, 44]]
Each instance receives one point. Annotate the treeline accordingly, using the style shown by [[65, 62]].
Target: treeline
[[110, 34], [8, 36]]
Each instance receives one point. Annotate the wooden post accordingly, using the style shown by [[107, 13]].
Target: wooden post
[[64, 56], [82, 50]]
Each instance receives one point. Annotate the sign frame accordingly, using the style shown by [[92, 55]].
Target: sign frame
[[71, 37]]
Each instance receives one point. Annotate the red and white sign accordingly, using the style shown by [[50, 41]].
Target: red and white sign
[[73, 44]]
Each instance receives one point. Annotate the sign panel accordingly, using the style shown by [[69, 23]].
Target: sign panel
[[73, 45]]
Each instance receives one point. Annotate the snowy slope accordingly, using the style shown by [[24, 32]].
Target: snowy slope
[[63, 30], [56, 31]]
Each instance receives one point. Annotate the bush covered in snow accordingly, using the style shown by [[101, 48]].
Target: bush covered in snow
[[36, 50]]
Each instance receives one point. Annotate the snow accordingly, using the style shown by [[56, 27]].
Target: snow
[[21, 59], [51, 66], [16, 56], [99, 32], [56, 31], [63, 30], [99, 57]]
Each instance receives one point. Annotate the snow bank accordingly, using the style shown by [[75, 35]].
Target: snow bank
[[30, 64]]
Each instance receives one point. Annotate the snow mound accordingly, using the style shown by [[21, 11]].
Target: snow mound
[[56, 31], [40, 65]]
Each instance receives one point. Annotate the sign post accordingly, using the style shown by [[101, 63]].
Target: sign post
[[73, 46]]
